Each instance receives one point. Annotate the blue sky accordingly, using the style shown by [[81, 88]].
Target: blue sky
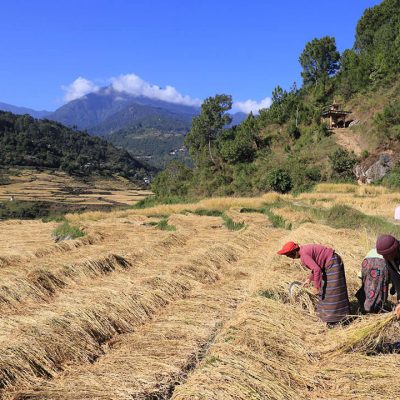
[[199, 48]]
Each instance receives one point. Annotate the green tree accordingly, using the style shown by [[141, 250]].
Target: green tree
[[285, 105], [174, 181], [378, 42], [207, 127], [319, 60], [239, 144], [278, 180]]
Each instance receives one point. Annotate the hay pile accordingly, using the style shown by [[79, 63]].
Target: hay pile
[[369, 335], [259, 354], [303, 298]]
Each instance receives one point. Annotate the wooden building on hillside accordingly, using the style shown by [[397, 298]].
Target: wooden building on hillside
[[336, 116]]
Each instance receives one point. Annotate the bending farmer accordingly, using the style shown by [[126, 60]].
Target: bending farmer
[[388, 246], [373, 294], [328, 277]]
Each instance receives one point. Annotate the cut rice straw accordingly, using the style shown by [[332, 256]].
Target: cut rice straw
[[368, 335], [304, 298]]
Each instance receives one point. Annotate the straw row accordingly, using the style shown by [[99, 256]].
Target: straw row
[[149, 363], [75, 328]]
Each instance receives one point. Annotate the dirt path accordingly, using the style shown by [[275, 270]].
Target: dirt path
[[349, 140]]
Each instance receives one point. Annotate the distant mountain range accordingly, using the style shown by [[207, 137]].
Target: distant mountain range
[[23, 110], [150, 129]]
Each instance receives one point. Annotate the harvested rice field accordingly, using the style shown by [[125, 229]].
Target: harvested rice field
[[192, 308], [62, 190]]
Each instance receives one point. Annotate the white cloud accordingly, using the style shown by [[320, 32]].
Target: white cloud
[[78, 88], [252, 105], [136, 86]]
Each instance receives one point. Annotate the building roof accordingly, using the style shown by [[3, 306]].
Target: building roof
[[327, 113]]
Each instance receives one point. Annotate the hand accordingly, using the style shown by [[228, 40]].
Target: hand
[[306, 283], [315, 290], [397, 311]]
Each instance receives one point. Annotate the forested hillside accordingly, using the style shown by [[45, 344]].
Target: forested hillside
[[25, 141], [288, 147]]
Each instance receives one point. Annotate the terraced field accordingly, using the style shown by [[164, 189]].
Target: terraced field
[[131, 311], [64, 191]]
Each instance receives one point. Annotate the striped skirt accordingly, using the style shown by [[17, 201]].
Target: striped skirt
[[333, 305]]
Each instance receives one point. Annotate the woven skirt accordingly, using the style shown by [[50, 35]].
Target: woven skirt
[[333, 305]]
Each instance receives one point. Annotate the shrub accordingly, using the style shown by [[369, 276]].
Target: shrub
[[342, 163], [65, 230], [304, 179], [392, 179], [323, 130], [279, 181], [293, 131]]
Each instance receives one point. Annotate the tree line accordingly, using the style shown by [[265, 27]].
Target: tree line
[[28, 142]]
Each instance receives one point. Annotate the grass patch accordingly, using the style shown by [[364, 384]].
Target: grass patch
[[157, 216], [276, 220], [67, 231], [54, 218], [342, 216], [147, 202], [345, 217], [231, 224], [164, 226], [208, 213], [252, 210], [152, 201], [151, 223]]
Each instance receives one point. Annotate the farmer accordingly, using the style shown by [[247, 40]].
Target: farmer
[[328, 277], [388, 246], [373, 294]]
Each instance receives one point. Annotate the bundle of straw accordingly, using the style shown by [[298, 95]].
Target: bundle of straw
[[369, 335], [303, 297]]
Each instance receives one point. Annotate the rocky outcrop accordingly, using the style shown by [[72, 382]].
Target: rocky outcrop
[[368, 173]]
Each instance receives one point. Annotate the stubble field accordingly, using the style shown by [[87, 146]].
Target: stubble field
[[132, 311]]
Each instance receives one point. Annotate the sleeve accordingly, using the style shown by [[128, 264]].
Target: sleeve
[[316, 272]]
